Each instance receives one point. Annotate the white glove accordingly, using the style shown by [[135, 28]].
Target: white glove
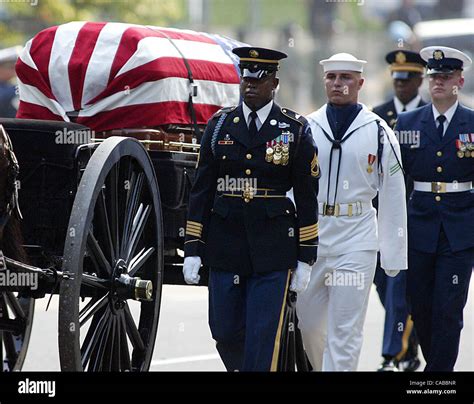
[[300, 277], [391, 272], [191, 270]]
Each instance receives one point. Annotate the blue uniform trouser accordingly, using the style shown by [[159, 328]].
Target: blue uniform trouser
[[245, 317], [438, 285], [392, 293]]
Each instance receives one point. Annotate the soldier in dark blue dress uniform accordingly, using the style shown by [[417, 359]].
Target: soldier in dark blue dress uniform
[[240, 222], [400, 345], [440, 161]]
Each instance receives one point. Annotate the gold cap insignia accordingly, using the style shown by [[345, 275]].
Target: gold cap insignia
[[438, 55], [400, 57], [253, 53]]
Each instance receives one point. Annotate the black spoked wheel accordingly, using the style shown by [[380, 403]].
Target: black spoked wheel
[[16, 322], [113, 263]]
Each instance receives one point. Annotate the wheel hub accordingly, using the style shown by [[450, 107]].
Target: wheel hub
[[126, 287]]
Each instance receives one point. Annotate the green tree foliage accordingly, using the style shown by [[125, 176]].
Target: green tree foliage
[[22, 19]]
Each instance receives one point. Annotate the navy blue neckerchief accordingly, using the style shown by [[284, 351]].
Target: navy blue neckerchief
[[339, 118]]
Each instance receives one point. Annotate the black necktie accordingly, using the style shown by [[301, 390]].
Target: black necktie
[[441, 120], [253, 124], [404, 109]]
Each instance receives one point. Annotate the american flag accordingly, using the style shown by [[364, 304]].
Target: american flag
[[115, 75]]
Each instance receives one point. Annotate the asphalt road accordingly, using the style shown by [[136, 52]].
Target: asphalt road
[[184, 341]]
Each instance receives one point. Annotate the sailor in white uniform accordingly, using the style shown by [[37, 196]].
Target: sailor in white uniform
[[359, 155]]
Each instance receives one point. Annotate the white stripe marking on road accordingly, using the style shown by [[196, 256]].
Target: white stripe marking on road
[[185, 359]]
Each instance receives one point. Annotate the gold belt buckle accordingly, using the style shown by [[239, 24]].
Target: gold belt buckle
[[248, 193], [438, 187]]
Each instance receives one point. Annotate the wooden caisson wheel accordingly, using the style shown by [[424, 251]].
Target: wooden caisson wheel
[[110, 293], [16, 322]]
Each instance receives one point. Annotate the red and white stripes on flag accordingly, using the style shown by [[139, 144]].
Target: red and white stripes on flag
[[116, 75]]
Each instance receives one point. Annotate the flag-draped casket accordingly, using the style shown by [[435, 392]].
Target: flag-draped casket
[[113, 75]]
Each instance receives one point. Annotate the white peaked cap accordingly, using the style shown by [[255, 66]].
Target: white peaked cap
[[343, 61], [443, 56]]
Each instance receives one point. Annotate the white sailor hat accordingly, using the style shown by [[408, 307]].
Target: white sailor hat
[[9, 55], [442, 59], [343, 61]]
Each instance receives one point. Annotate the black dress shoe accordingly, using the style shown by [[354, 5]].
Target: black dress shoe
[[388, 365], [409, 365]]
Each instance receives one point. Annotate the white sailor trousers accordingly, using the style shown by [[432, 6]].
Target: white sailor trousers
[[332, 310]]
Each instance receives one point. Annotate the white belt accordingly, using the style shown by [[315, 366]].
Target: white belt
[[344, 209], [442, 187]]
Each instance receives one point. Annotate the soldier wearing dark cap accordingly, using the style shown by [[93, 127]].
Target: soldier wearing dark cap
[[441, 208], [407, 70], [240, 222], [400, 345]]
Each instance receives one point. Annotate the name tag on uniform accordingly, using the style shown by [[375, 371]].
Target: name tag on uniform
[[225, 142]]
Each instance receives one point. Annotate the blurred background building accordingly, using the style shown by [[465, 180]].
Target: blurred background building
[[308, 30]]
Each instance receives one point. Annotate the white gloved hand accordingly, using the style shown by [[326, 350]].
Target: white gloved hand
[[300, 277], [191, 270], [391, 272]]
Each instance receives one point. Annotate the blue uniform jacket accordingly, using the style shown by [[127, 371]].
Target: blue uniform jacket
[[436, 160], [263, 234]]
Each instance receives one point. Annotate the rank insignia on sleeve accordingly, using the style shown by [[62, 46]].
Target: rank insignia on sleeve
[[394, 169], [315, 166]]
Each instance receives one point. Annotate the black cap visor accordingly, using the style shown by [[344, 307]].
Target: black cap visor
[[404, 75]]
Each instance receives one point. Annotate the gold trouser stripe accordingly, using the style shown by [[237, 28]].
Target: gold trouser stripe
[[193, 233], [309, 237], [276, 345], [190, 222], [406, 335]]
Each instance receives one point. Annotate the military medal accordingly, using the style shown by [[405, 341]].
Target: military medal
[[278, 150], [471, 143], [459, 146], [371, 161], [269, 152], [277, 158], [285, 149]]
